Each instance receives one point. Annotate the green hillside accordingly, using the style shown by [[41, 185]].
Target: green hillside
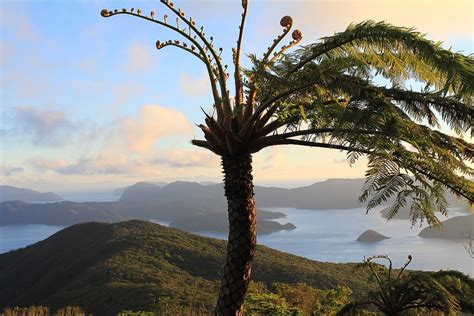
[[105, 268]]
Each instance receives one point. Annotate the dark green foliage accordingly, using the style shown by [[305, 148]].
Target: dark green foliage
[[107, 268], [413, 293]]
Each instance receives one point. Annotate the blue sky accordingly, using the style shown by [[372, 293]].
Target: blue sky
[[88, 102]]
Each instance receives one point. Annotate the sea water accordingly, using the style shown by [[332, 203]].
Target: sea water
[[323, 235]]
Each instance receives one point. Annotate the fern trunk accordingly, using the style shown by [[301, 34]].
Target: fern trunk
[[238, 185]]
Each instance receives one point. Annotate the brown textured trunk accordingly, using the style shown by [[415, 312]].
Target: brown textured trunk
[[238, 184]]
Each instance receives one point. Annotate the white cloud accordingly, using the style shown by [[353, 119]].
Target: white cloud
[[187, 158], [129, 147], [139, 133]]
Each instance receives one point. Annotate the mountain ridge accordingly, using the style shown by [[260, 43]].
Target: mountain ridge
[[11, 193]]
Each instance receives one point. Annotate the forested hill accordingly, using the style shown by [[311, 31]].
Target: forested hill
[[105, 268]]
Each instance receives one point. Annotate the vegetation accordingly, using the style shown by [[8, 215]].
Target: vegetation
[[295, 299], [42, 311], [323, 95], [135, 265], [144, 269], [400, 292]]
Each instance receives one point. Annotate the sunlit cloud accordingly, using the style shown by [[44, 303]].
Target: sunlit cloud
[[153, 122], [426, 16], [130, 147]]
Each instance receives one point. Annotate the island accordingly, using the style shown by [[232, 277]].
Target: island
[[218, 223], [453, 228], [370, 236]]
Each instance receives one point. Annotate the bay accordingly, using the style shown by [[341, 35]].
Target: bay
[[330, 235], [323, 235], [18, 236]]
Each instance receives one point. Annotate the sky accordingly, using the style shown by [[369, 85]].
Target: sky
[[88, 103]]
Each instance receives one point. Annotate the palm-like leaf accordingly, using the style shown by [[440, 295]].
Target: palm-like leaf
[[398, 293], [399, 53], [344, 109]]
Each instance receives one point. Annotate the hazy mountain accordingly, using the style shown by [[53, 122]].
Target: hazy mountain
[[9, 193], [330, 194], [119, 191], [453, 228], [179, 191], [105, 268], [189, 205], [61, 213]]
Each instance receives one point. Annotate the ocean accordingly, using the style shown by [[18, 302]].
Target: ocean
[[323, 235]]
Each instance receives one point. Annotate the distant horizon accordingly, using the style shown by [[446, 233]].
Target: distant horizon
[[107, 187]]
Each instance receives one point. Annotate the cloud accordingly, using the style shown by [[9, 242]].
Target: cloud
[[10, 170], [271, 158], [96, 166], [142, 165], [194, 86], [187, 158], [424, 15], [44, 126], [43, 165], [153, 122], [139, 58], [141, 144]]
